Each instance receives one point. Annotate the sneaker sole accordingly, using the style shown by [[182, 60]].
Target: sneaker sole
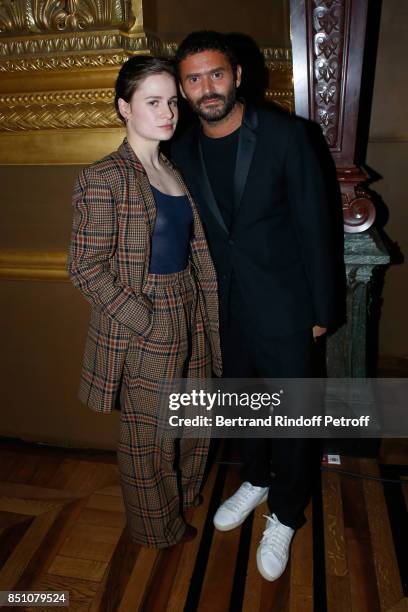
[[238, 523]]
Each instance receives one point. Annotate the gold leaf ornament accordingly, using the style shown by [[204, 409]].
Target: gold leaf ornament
[[13, 16]]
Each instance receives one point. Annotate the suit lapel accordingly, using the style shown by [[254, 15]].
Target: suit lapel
[[245, 153], [141, 179], [148, 199]]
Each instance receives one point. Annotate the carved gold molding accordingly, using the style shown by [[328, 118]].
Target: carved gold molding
[[24, 54], [278, 61], [276, 66], [94, 108], [35, 16], [277, 54], [283, 98], [42, 98], [64, 116], [58, 109], [58, 63], [275, 93], [67, 62], [33, 265], [91, 108], [32, 54]]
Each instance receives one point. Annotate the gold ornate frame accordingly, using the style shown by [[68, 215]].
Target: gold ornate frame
[[58, 63]]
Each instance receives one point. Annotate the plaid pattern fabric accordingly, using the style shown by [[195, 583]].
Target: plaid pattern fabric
[[114, 216], [173, 348]]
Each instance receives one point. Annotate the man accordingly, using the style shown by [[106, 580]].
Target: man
[[261, 196]]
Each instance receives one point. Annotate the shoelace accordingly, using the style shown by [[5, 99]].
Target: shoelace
[[277, 536], [240, 497]]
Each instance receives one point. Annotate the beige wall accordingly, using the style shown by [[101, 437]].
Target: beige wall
[[388, 155], [43, 322], [44, 326], [36, 206]]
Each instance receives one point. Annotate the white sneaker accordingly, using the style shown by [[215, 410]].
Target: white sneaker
[[273, 551], [236, 508]]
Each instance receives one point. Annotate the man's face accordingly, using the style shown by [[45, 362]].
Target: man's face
[[207, 82]]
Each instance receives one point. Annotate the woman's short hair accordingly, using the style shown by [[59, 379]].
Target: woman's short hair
[[134, 71]]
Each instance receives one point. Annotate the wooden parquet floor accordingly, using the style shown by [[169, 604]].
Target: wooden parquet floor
[[62, 528]]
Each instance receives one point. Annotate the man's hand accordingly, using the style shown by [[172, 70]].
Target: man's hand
[[318, 331]]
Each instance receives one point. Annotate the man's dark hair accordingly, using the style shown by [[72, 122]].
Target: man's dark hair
[[205, 40], [134, 71]]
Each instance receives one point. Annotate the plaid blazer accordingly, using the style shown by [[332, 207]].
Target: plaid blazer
[[114, 217]]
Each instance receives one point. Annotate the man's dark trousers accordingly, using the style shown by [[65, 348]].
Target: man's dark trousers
[[286, 465]]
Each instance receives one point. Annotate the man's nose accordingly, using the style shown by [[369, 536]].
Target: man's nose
[[207, 84]]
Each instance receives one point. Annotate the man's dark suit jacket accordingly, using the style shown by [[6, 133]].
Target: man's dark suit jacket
[[278, 246]]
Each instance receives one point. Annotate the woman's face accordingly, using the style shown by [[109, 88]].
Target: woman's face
[[152, 113]]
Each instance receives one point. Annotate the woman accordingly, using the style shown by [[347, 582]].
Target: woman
[[139, 255]]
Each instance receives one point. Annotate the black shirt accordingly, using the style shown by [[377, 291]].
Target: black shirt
[[220, 156]]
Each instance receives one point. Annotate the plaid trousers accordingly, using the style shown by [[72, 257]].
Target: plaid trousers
[[161, 476]]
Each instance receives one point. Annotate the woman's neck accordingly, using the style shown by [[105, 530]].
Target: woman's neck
[[146, 151]]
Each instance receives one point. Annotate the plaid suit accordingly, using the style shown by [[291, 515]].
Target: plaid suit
[[144, 328], [114, 216]]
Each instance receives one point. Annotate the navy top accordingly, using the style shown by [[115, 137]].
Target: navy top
[[172, 233]]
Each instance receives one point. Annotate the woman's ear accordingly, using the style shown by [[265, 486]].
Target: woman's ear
[[124, 108]]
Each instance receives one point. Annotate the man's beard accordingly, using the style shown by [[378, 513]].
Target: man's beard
[[219, 112]]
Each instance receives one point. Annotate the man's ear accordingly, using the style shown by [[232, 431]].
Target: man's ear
[[124, 108], [238, 76], [182, 91]]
